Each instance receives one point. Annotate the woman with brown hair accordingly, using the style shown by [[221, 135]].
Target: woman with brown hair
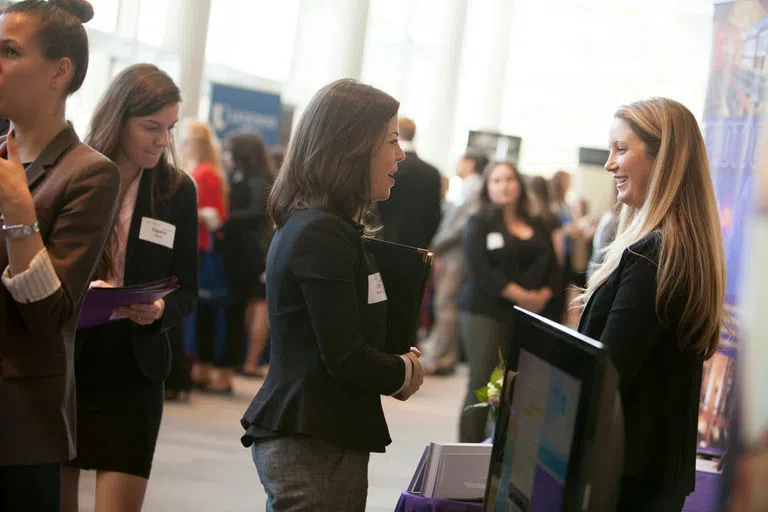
[[314, 422], [57, 205], [510, 262], [656, 301], [121, 366], [250, 172]]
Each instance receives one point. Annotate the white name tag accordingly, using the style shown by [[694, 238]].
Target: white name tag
[[494, 241], [376, 291], [157, 232]]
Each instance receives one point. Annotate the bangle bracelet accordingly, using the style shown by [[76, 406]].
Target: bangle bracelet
[[19, 231]]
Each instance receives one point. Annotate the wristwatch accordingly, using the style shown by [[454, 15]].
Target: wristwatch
[[20, 230]]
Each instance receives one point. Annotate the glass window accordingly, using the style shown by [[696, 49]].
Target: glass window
[[104, 15], [253, 36], [153, 17], [81, 105]]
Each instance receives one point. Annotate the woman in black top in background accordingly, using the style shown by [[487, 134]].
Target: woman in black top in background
[[511, 262], [250, 172], [318, 415]]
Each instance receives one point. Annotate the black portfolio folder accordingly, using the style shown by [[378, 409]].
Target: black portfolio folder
[[404, 271]]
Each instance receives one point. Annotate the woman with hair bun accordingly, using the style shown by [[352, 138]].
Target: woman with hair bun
[[57, 204]]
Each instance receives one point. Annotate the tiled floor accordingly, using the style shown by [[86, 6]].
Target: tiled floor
[[200, 464]]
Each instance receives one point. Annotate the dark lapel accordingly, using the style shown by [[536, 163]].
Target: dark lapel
[[55, 149], [143, 209]]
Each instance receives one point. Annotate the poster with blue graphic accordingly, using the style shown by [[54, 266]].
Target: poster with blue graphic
[[732, 125], [235, 109]]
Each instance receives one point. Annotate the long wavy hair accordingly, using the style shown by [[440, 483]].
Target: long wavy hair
[[680, 206], [327, 165], [139, 90]]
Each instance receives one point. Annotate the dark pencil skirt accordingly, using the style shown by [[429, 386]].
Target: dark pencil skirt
[[118, 408]]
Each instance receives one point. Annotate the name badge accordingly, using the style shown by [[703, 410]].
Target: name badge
[[157, 232], [376, 291], [494, 241]]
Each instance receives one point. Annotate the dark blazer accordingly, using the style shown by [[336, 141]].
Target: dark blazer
[[146, 261], [659, 383], [75, 190], [412, 213], [529, 263], [327, 369], [246, 234]]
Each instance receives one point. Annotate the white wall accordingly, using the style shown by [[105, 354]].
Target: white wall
[[550, 71]]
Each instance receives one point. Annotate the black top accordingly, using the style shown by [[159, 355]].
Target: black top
[[495, 258], [659, 384], [412, 213], [246, 233], [147, 261], [327, 371]]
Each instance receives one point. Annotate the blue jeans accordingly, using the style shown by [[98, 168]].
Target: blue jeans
[[304, 474]]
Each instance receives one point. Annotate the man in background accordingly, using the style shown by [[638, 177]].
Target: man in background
[[412, 213], [440, 350]]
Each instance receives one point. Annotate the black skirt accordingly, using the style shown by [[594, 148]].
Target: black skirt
[[118, 408]]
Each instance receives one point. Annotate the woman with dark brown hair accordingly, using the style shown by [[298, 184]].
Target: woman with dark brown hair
[[57, 205], [510, 262], [314, 422], [121, 366], [250, 173]]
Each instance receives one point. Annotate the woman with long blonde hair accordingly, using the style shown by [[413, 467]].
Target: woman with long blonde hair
[[656, 301], [202, 161]]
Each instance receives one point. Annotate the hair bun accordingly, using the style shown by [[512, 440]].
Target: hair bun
[[81, 9]]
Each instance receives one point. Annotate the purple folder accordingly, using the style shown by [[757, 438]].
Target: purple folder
[[100, 303]]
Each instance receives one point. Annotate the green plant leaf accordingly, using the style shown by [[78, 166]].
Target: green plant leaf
[[482, 394]]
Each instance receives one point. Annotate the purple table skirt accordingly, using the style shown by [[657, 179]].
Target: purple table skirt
[[703, 499]]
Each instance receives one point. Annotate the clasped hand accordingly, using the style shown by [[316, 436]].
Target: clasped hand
[[142, 314], [417, 378]]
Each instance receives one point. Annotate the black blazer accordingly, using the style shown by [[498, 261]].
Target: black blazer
[[327, 369], [659, 383], [146, 261], [412, 213], [529, 263]]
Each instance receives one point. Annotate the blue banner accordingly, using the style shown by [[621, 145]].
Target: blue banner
[[234, 109]]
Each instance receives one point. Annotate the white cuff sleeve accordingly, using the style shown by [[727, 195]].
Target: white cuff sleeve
[[408, 374], [34, 284], [210, 217]]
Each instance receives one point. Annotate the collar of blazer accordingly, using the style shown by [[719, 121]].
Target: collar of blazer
[[51, 154]]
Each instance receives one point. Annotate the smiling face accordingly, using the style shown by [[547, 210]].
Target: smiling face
[[145, 138], [384, 161], [630, 164]]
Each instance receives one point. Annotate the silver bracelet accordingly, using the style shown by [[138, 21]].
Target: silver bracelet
[[19, 231]]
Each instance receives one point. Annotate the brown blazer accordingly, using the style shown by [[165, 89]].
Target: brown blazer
[[75, 190]]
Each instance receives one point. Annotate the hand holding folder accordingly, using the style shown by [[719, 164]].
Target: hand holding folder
[[404, 271], [100, 303]]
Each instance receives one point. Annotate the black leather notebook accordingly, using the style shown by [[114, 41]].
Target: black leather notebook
[[404, 271]]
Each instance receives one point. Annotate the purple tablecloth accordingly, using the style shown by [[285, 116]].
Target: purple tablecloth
[[703, 499], [415, 503]]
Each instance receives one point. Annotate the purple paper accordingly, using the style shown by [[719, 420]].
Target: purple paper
[[100, 303]]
